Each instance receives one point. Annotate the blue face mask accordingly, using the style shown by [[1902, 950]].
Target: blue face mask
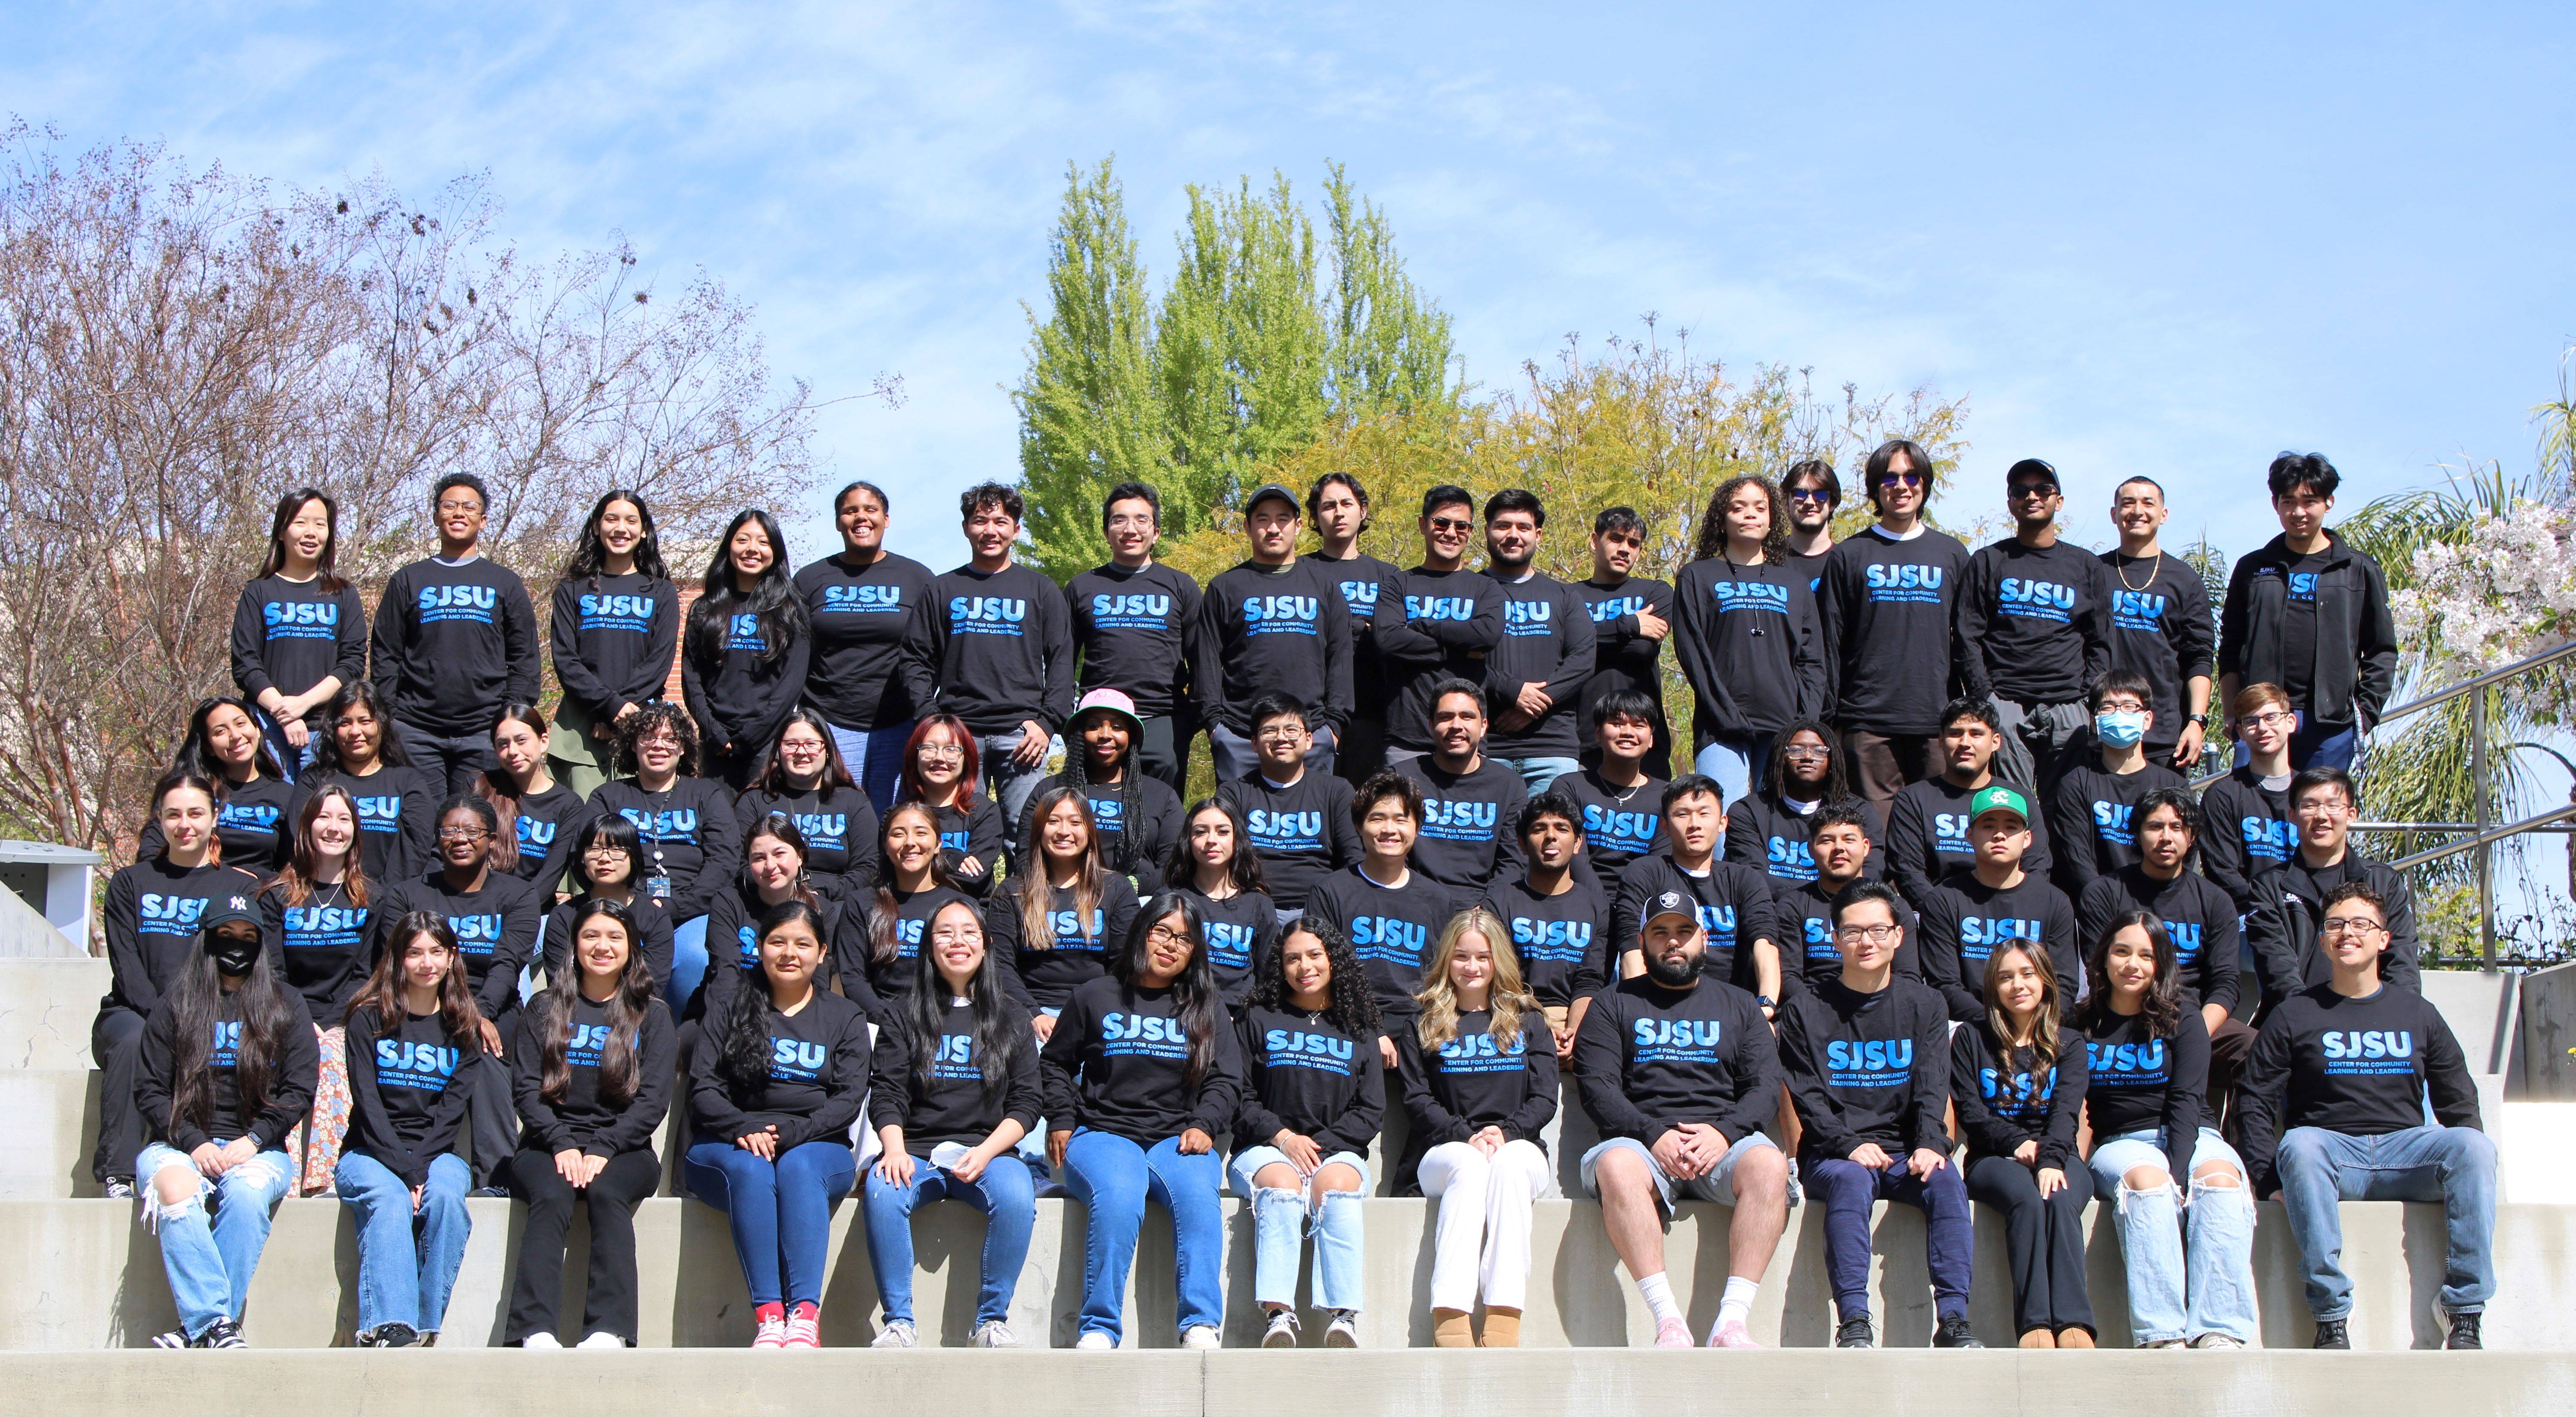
[[2120, 728]]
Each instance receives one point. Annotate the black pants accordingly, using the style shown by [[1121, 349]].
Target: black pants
[[1165, 754], [116, 1045], [450, 764], [492, 1117], [2229, 1047], [2045, 1238], [608, 1302]]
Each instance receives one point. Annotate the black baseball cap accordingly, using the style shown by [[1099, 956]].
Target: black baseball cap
[[2032, 467], [229, 910], [1268, 490]]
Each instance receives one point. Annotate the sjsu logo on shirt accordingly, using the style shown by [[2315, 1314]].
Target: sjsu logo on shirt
[[1820, 941], [678, 824], [1483, 1045], [747, 943], [1067, 927], [1385, 937], [476, 934], [1979, 935], [2185, 935], [314, 924], [1950, 834], [419, 1062], [1527, 617], [1286, 1043], [1719, 922], [955, 1048], [1144, 1028], [2368, 1043], [1439, 607], [2046, 595], [1751, 595], [1285, 831], [588, 1037], [2111, 821], [746, 636], [2137, 609], [1885, 577], [823, 828], [1792, 859], [379, 814], [597, 610], [1604, 827], [1273, 614], [2269, 839], [227, 1045], [535, 831], [1677, 1033], [1873, 1055], [1556, 940], [2303, 585], [1605, 611], [795, 1060], [860, 600], [458, 597], [283, 614], [1127, 607], [2126, 1064], [1359, 596], [1227, 944], [247, 816], [2018, 1094], [986, 610], [1460, 816], [164, 912]]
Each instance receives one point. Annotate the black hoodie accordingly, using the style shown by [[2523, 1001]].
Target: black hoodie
[[613, 639], [1547, 639], [2333, 636], [1274, 629], [1887, 608], [292, 635], [1001, 649], [1118, 1062], [1867, 1068], [453, 644], [1432, 625], [1135, 628], [1752, 646], [2033, 622], [583, 1120], [871, 663]]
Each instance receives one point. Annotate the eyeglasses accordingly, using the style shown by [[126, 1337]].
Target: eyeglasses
[[1281, 732], [1874, 934], [2360, 925], [957, 934], [942, 752], [1806, 755], [2271, 718], [1166, 935], [456, 506], [462, 833], [1451, 524], [604, 853]]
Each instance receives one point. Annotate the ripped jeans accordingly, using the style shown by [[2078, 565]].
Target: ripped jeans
[[2219, 1294], [209, 1262], [1280, 1220]]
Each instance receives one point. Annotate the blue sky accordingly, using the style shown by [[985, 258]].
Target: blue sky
[[2172, 240]]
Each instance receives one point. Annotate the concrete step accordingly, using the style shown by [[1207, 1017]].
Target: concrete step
[[92, 1278], [53, 1125], [1528, 1383], [46, 1006]]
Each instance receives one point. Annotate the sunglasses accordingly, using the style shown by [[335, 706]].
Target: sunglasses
[[1452, 524], [1909, 479], [1818, 494]]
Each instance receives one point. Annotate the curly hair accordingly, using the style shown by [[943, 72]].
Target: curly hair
[[1354, 1006], [1712, 523], [658, 713]]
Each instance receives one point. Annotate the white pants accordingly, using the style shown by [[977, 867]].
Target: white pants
[[1483, 1239]]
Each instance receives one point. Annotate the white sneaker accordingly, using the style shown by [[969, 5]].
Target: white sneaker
[[1343, 1331], [771, 1334], [1282, 1332], [993, 1333], [541, 1340], [2217, 1340], [602, 1339], [1201, 1336], [896, 1335], [1096, 1341]]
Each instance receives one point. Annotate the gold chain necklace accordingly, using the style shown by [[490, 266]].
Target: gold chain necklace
[[2123, 572]]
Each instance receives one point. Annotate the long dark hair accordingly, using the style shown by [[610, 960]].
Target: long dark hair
[[2052, 1002], [1129, 851], [1090, 878], [301, 865], [998, 1036], [649, 716], [1837, 783], [1354, 1006], [267, 1013], [1197, 1000], [359, 694], [2161, 1008], [494, 786], [836, 773], [590, 555], [1712, 523], [383, 991], [619, 1064], [325, 578], [883, 947], [196, 752], [613, 829], [772, 597], [189, 778], [778, 826], [746, 1051], [1181, 867]]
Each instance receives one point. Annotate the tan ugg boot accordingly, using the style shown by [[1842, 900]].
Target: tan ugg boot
[[1449, 1329], [1502, 1328]]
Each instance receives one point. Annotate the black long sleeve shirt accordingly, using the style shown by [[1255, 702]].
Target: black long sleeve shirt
[[2291, 905], [1752, 645], [1118, 1062], [1432, 625], [839, 825], [254, 821], [396, 825], [1361, 578], [2141, 1083], [1391, 929], [811, 1090], [1001, 649], [406, 1103], [2163, 630], [1927, 836], [613, 639], [1888, 612], [1867, 1068], [870, 667], [293, 1073], [543, 826], [1547, 639], [1965, 921], [1048, 977], [741, 697], [150, 919], [2094, 820], [1622, 658], [454, 643], [652, 929], [1300, 832], [1274, 629], [1135, 630], [1805, 910], [495, 929], [1558, 938], [692, 848], [2363, 1067], [1736, 907], [1303, 1074], [1650, 1059], [1619, 824], [2248, 832], [584, 1119], [2033, 622], [1237, 932], [2033, 1100], [861, 971], [1475, 1081], [322, 945], [292, 635], [2199, 918], [952, 1102], [1469, 838]]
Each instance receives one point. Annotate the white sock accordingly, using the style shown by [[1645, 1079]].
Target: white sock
[[1658, 1293], [1737, 1306]]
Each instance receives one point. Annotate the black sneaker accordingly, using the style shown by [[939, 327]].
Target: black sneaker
[[2331, 1334], [222, 1333], [120, 1190], [1855, 1332], [2464, 1331], [175, 1338], [389, 1336], [490, 1193], [1953, 1332]]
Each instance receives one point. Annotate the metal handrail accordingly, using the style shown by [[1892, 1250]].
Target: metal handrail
[[2489, 838], [2468, 686]]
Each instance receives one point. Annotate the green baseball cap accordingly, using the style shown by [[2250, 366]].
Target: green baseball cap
[[1999, 798]]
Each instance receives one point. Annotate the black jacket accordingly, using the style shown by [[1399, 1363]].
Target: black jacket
[[2290, 901], [2356, 649]]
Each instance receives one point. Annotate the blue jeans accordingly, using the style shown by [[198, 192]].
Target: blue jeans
[[1113, 1178], [1003, 1192], [1009, 784], [688, 963], [407, 1261], [1735, 763], [781, 1211], [1537, 774], [1851, 1189], [290, 759], [875, 757], [1340, 1235], [2452, 1165], [2220, 1269], [210, 1264]]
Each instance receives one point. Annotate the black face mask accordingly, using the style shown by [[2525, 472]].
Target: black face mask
[[233, 955]]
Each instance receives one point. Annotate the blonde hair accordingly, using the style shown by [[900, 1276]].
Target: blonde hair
[[1508, 998], [2256, 697]]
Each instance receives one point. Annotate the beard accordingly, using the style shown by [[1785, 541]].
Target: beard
[[1673, 974]]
